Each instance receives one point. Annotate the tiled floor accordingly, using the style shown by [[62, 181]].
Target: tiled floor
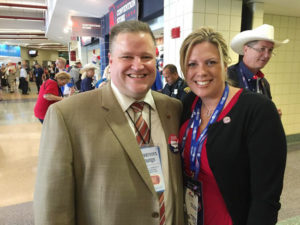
[[19, 142]]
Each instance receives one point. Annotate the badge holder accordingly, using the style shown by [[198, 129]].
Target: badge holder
[[151, 156], [193, 201]]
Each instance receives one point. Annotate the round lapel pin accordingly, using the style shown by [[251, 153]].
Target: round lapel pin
[[226, 119]]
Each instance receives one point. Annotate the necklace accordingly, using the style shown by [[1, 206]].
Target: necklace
[[208, 112]]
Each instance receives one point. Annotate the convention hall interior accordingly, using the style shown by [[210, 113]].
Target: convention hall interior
[[40, 31]]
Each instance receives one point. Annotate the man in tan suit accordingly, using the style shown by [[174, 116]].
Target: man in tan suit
[[91, 169]]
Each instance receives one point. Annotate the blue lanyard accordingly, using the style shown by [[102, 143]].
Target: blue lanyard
[[247, 85], [244, 79], [195, 121]]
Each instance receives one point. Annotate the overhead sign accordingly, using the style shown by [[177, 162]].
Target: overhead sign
[[10, 50], [86, 26], [123, 10]]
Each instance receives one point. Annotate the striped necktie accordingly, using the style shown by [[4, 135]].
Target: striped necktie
[[142, 136], [142, 131]]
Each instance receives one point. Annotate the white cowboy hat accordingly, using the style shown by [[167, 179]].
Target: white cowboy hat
[[264, 32], [88, 67]]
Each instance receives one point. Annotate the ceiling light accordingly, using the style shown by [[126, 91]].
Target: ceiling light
[[70, 23], [66, 30]]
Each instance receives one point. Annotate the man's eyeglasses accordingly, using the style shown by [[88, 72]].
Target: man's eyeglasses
[[263, 49]]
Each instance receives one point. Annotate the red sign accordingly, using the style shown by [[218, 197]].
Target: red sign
[[175, 32], [73, 55]]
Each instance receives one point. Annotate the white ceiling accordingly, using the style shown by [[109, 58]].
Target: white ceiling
[[64, 9], [59, 12]]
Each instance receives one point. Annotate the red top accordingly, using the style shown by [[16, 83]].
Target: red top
[[215, 210], [41, 106]]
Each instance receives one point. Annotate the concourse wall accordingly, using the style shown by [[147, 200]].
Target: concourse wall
[[283, 70]]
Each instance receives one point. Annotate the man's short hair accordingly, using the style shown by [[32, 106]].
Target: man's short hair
[[63, 60], [172, 68], [131, 26]]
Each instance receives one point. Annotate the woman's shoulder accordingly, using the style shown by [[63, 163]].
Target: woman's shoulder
[[249, 97], [251, 101]]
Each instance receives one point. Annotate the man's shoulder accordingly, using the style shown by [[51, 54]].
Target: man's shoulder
[[165, 98], [82, 100], [232, 68], [74, 69], [251, 99], [233, 75]]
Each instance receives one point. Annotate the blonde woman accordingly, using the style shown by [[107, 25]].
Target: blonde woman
[[232, 141]]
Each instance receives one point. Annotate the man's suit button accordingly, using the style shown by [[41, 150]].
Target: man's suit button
[[155, 215]]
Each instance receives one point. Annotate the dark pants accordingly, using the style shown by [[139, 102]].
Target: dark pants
[[38, 81], [23, 85]]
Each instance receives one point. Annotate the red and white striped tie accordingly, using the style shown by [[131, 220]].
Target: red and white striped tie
[[142, 136], [142, 130], [162, 217]]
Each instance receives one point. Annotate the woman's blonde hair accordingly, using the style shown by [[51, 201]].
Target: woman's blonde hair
[[62, 76], [204, 34]]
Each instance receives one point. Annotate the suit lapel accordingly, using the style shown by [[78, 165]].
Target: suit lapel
[[117, 121], [164, 116], [166, 119]]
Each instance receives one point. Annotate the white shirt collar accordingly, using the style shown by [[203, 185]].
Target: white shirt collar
[[126, 101]]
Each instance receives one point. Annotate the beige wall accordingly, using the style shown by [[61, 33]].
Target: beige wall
[[283, 70], [43, 55], [222, 15]]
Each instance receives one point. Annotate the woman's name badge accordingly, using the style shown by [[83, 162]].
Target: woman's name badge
[[153, 162], [193, 201]]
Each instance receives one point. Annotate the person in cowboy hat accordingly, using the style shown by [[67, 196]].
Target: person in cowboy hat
[[88, 73], [257, 47]]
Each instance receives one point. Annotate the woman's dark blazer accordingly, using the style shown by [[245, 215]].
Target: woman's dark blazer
[[247, 157]]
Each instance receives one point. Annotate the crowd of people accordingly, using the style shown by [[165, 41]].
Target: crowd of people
[[207, 150]]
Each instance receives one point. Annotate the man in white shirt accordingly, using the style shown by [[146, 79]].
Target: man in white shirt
[[91, 168], [23, 80]]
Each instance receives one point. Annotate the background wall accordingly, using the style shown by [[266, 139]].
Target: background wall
[[189, 15], [283, 70], [43, 55]]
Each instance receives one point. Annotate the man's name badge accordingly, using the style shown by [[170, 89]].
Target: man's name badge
[[153, 162]]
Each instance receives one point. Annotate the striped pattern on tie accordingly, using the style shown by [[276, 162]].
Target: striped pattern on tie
[[162, 217], [142, 131]]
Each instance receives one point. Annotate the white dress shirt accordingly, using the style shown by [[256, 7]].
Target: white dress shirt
[[23, 73]]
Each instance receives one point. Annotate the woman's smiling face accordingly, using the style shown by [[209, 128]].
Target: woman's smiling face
[[205, 74]]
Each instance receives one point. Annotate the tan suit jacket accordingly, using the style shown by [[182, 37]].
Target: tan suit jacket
[[91, 170]]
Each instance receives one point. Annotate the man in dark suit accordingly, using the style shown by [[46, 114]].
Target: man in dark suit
[[175, 87], [38, 72], [91, 168]]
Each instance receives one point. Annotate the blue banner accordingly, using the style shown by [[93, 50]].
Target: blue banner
[[123, 10], [10, 50]]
